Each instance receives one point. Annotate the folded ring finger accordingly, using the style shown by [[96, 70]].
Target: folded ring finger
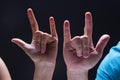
[[85, 45], [77, 44]]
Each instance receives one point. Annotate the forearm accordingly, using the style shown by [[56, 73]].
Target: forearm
[[44, 71], [77, 75], [4, 73]]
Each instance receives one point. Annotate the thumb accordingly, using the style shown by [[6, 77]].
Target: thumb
[[102, 43], [19, 42]]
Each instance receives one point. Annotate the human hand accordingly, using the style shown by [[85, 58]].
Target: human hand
[[79, 52], [43, 48]]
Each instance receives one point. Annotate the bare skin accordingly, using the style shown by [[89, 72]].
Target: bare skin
[[43, 48], [79, 52], [4, 73]]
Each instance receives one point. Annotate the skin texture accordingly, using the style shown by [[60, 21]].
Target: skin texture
[[43, 48], [4, 73], [79, 52]]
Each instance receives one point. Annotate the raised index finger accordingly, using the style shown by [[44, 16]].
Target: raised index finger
[[88, 27], [52, 27], [33, 22], [67, 35]]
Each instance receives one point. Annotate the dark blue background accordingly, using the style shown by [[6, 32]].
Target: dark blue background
[[14, 23]]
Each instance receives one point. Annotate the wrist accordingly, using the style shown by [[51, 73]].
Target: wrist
[[44, 64], [77, 74], [44, 71]]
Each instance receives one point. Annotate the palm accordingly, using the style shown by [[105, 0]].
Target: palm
[[75, 62], [43, 47], [79, 52], [37, 55]]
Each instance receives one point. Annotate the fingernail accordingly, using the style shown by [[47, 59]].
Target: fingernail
[[66, 23], [85, 55], [79, 53], [42, 50]]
